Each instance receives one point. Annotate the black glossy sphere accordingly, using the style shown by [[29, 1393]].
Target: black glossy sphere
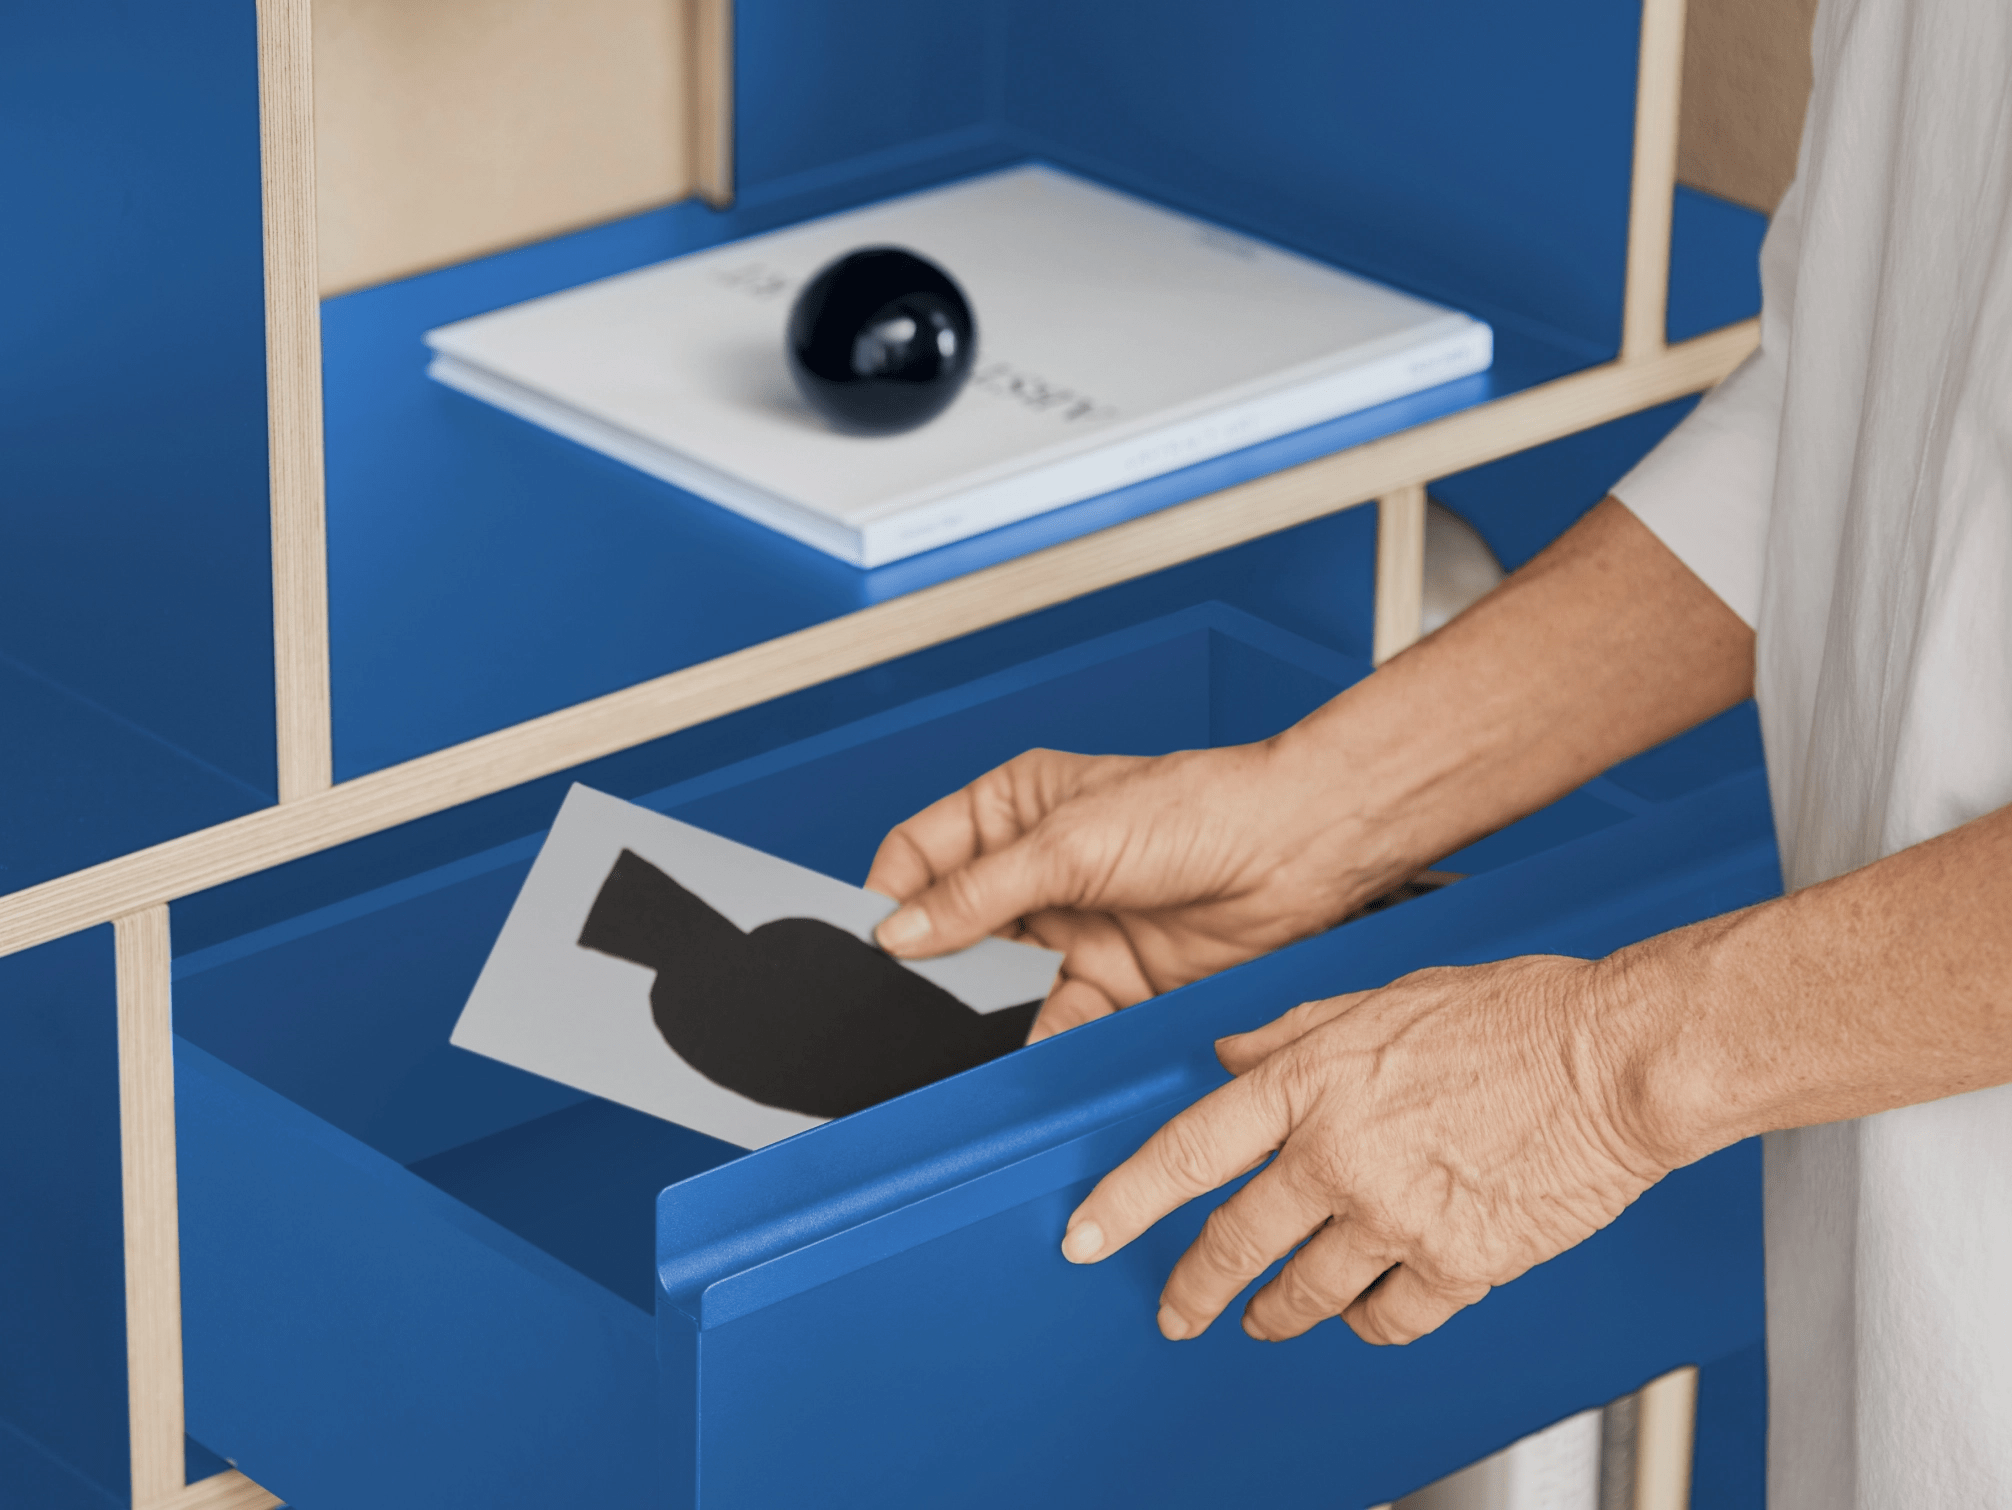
[[880, 341]]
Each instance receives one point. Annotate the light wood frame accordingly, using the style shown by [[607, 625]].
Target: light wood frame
[[314, 813]]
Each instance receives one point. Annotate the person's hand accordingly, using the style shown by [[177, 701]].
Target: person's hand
[[1434, 1139], [1145, 873]]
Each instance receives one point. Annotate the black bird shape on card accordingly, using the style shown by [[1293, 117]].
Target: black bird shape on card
[[797, 1014]]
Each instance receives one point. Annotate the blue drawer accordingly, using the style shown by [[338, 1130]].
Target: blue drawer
[[413, 1277]]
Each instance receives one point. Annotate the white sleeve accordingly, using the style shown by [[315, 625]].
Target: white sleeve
[[1707, 490]]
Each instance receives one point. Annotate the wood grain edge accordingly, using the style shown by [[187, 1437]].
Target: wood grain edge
[[1652, 192], [147, 1170], [230, 1490], [293, 399], [709, 62], [1400, 570], [761, 672], [1665, 1424]]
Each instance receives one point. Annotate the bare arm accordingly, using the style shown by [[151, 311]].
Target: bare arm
[[1885, 987], [1602, 646], [1151, 873]]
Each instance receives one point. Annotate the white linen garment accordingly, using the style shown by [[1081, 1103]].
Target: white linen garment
[[1849, 493]]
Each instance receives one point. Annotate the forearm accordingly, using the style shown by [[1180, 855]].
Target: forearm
[[1887, 986], [1602, 646]]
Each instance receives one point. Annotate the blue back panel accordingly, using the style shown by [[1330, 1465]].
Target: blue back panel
[[1477, 153], [1714, 263], [135, 567], [62, 1254], [823, 91], [79, 784]]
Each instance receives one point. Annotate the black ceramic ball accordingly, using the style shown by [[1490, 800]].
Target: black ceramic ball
[[880, 341]]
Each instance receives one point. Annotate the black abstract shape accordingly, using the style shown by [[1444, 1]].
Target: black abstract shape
[[797, 1014]]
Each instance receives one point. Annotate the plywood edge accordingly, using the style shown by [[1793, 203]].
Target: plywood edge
[[293, 400], [1652, 193], [147, 1162], [1665, 1425], [225, 1491], [1400, 570], [762, 672], [709, 92]]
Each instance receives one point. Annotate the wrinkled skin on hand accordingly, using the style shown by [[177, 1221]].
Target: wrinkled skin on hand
[[1146, 873], [1433, 1139]]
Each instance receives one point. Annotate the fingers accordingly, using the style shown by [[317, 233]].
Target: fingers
[[1321, 1280], [1240, 1240], [1407, 1305], [1243, 1052], [1209, 1144], [999, 807], [979, 899], [1071, 1004]]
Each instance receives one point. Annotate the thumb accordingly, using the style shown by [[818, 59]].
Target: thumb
[[977, 900], [1243, 1052]]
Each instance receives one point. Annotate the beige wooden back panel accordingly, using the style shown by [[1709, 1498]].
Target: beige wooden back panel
[[450, 128]]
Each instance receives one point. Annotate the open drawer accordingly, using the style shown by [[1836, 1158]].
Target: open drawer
[[417, 1278]]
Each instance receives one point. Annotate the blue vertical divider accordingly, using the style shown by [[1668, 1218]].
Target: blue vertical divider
[[135, 599]]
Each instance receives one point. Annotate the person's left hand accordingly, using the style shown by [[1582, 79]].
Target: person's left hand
[[1434, 1139]]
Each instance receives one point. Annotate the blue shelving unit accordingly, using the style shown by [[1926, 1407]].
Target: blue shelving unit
[[482, 573]]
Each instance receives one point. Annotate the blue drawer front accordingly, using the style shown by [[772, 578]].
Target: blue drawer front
[[915, 1338]]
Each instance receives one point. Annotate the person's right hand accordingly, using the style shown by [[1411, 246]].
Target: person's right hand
[[1147, 873]]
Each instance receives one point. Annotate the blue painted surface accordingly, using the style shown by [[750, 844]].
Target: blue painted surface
[[1479, 154], [62, 1275], [354, 1336], [1730, 1471], [134, 568], [82, 784], [1714, 263], [489, 1298]]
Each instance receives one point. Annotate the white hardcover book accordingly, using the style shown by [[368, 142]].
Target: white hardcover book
[[1116, 341]]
